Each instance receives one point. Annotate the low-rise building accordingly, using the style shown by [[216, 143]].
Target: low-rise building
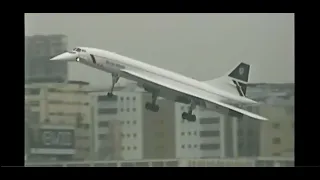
[[53, 102]]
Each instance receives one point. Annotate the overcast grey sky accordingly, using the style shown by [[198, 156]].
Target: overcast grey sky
[[203, 46]]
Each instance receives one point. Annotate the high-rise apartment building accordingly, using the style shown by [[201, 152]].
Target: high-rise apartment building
[[38, 50]]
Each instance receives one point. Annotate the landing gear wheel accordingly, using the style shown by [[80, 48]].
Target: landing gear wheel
[[155, 108], [152, 107], [184, 115], [189, 117], [147, 106], [192, 118]]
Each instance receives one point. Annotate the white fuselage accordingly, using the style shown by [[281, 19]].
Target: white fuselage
[[113, 63]]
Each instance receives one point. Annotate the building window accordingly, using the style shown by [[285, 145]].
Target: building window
[[209, 146], [195, 133], [189, 146], [128, 148], [122, 135], [276, 125], [128, 135], [106, 98], [128, 109], [34, 103], [107, 111], [134, 148], [84, 126], [134, 122], [214, 120], [134, 98], [182, 133], [134, 135], [276, 140], [123, 148], [121, 109], [128, 122], [189, 133], [276, 154], [195, 146], [128, 98], [182, 146], [32, 91], [103, 124], [134, 109], [102, 136], [209, 133], [121, 98]]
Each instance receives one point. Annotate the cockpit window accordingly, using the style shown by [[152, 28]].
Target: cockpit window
[[78, 50]]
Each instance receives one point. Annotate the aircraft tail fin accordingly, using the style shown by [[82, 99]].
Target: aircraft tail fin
[[240, 73], [238, 78]]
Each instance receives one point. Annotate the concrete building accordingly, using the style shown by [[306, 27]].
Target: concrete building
[[277, 135], [144, 134], [212, 135], [249, 134], [56, 103], [38, 50]]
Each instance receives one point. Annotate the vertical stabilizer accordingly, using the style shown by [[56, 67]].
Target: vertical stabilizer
[[235, 81]]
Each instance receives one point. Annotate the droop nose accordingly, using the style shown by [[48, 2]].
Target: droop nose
[[67, 56]]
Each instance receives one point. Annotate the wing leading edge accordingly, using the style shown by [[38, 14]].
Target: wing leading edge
[[186, 89]]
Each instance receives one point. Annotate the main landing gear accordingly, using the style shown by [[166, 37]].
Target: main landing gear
[[188, 115], [115, 79], [153, 106]]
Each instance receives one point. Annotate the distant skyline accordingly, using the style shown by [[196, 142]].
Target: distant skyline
[[201, 46]]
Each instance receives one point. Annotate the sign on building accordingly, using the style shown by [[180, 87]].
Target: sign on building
[[52, 140]]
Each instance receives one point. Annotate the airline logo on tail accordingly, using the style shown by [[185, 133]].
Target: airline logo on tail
[[240, 76]]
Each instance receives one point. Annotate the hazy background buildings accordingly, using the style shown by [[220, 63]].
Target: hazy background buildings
[[69, 119]]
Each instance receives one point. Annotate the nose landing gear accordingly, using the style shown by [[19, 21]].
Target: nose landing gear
[[115, 79]]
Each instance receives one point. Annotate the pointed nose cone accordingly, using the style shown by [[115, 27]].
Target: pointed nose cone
[[67, 56]]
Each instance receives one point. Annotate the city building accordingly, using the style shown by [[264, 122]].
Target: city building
[[277, 135], [46, 142], [190, 162], [212, 135], [144, 134], [39, 49], [50, 101], [274, 137], [248, 130]]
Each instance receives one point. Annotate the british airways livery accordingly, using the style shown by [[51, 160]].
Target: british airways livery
[[220, 94]]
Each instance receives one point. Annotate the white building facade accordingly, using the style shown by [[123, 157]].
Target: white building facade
[[124, 107], [207, 137]]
